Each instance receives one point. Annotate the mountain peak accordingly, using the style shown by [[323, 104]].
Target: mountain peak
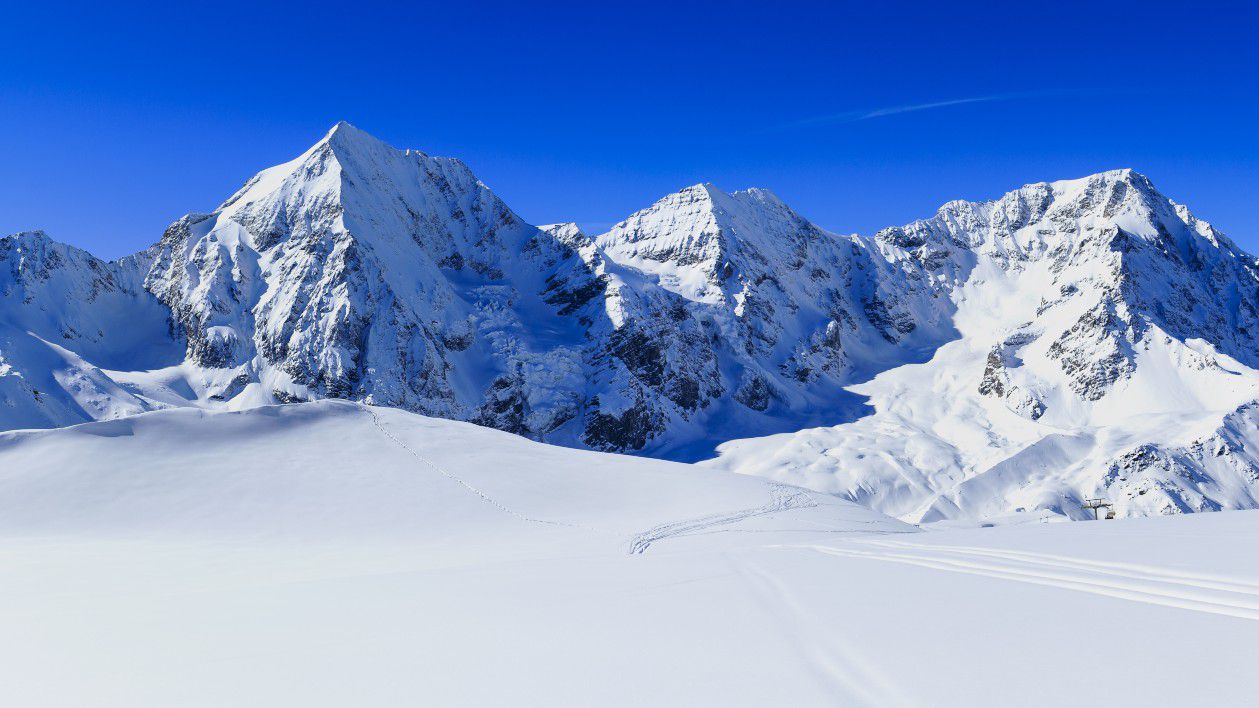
[[36, 235], [760, 194], [344, 138], [709, 195], [350, 149], [699, 193], [344, 130], [39, 240], [1125, 176], [1121, 194]]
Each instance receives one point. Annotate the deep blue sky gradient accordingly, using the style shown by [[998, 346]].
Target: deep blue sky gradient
[[115, 119]]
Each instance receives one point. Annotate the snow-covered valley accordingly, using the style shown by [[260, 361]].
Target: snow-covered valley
[[330, 553]]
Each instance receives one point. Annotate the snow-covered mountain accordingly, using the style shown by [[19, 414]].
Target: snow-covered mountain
[[66, 317], [1069, 339], [361, 271], [1106, 347]]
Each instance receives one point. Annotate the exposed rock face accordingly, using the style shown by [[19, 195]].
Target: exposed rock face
[[355, 271], [69, 297], [773, 316], [1031, 327], [361, 271], [1113, 325], [994, 381], [65, 315]]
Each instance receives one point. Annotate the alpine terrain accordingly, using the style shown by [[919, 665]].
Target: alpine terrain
[[1068, 340], [330, 554]]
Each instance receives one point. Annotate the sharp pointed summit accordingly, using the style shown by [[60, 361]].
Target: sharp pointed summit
[[346, 131], [347, 141]]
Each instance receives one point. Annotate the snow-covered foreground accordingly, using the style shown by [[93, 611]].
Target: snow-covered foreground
[[332, 554]]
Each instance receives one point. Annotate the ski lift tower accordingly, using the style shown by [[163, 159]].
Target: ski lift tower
[[1096, 504]]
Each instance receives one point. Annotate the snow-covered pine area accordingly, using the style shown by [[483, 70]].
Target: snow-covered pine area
[[331, 553]]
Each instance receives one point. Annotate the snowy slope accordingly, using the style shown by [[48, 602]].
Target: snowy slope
[[340, 470], [330, 553], [63, 314], [791, 313], [366, 272], [361, 271], [1104, 349], [1070, 339]]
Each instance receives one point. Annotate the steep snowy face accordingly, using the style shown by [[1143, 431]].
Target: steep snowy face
[[705, 244], [365, 272], [1109, 263], [360, 271], [792, 312], [1103, 332], [68, 296], [60, 307]]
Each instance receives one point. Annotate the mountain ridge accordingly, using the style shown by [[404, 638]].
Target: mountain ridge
[[391, 277]]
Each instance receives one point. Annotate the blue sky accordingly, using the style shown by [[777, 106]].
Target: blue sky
[[116, 119]]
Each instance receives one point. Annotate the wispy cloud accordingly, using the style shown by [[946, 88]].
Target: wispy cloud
[[926, 106], [855, 116]]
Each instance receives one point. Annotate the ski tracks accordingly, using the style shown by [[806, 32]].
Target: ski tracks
[[1152, 585], [380, 425], [839, 664], [782, 498]]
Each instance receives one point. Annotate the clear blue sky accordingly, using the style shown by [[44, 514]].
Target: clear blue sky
[[116, 119]]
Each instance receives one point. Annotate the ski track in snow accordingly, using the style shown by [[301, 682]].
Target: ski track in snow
[[782, 499], [1232, 597], [839, 664], [380, 425]]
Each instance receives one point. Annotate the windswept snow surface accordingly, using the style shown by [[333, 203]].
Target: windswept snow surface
[[334, 554]]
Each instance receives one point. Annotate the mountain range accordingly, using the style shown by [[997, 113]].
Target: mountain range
[[1001, 359]]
